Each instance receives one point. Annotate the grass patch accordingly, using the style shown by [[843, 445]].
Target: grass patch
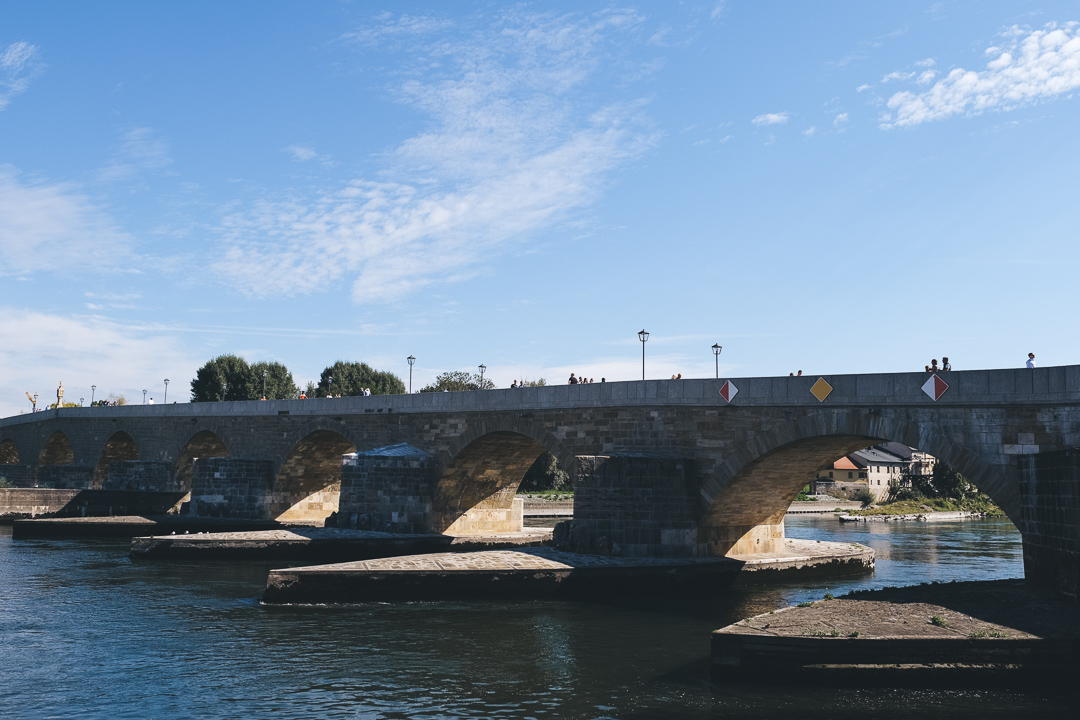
[[821, 633], [809, 603], [828, 596], [981, 634], [920, 506], [549, 494], [853, 634], [938, 621]]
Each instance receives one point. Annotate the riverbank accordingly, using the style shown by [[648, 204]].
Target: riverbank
[[916, 517], [996, 629]]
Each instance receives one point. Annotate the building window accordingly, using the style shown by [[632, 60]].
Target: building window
[[849, 475]]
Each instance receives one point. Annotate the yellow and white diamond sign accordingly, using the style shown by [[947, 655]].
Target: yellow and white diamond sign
[[821, 389]]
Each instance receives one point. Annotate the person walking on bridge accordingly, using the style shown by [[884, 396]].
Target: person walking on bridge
[[1031, 361]]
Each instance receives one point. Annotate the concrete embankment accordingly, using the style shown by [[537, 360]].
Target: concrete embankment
[[321, 544], [535, 573], [822, 507], [535, 507], [998, 629], [20, 503]]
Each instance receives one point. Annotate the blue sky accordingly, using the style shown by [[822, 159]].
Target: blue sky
[[843, 187]]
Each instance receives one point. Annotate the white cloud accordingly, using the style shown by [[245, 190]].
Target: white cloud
[[18, 65], [779, 118], [1032, 66], [53, 227], [840, 120], [36, 351], [509, 151], [717, 10], [810, 131], [139, 150], [862, 87], [301, 153], [927, 63]]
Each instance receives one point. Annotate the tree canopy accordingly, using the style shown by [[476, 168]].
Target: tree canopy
[[458, 380], [350, 378], [229, 377]]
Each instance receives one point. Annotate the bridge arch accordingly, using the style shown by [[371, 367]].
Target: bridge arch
[[307, 486], [204, 442], [754, 486], [57, 450], [478, 476], [119, 447], [9, 452]]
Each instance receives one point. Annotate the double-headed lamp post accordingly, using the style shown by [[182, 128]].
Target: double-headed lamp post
[[716, 348], [411, 360], [643, 336], [166, 392], [482, 369]]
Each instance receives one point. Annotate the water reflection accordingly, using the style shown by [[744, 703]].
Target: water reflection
[[88, 632]]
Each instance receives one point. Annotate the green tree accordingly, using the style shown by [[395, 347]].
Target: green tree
[[279, 381], [533, 383], [545, 474], [226, 377], [458, 380], [350, 378], [948, 483]]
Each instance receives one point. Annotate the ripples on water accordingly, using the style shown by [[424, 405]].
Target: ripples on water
[[88, 633]]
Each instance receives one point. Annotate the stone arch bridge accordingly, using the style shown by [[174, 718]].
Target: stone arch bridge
[[679, 467]]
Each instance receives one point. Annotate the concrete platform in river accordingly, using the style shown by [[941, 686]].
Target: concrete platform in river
[[534, 573], [321, 544], [127, 526], [996, 630]]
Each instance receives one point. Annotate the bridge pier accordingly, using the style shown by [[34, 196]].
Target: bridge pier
[[65, 477], [633, 505], [138, 475], [1050, 520], [232, 488], [388, 489], [21, 476]]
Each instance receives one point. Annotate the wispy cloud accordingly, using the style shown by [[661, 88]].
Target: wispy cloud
[[114, 356], [1031, 66], [18, 65], [779, 118], [840, 120], [54, 227], [513, 146], [139, 149]]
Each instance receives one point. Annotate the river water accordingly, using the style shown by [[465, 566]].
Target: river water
[[85, 632]]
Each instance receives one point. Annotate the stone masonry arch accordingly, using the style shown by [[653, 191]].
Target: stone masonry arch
[[120, 447], [202, 443], [57, 450], [480, 473], [747, 495], [9, 452], [307, 485]]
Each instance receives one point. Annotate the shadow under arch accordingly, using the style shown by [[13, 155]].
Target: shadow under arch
[[755, 485], [307, 487], [9, 452], [475, 489], [57, 450], [203, 443], [120, 447]]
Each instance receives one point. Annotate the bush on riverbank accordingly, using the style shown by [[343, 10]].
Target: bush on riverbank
[[978, 503], [549, 495]]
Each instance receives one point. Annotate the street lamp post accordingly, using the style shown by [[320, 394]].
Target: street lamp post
[[143, 397], [330, 385], [411, 360], [265, 373], [716, 351], [93, 389], [81, 401], [643, 337], [482, 369], [166, 391]]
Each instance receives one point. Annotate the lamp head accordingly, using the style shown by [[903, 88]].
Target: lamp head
[[716, 349], [643, 336], [411, 359]]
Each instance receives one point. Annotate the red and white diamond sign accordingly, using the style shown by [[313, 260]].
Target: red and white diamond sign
[[728, 391], [935, 387]]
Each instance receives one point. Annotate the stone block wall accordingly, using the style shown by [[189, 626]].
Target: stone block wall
[[490, 520], [22, 476], [231, 487], [387, 493], [1050, 520], [65, 477], [138, 475], [633, 505]]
